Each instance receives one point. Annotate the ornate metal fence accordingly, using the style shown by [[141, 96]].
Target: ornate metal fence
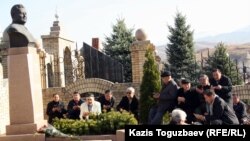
[[68, 68]]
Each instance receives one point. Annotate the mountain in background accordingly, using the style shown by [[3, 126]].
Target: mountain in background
[[236, 41], [236, 37], [161, 50]]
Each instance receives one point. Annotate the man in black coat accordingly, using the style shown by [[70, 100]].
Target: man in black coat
[[219, 112], [74, 106], [222, 86], [55, 108], [107, 101], [188, 100], [129, 102], [240, 110], [204, 85]]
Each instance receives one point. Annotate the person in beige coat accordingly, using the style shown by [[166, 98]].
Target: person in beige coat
[[90, 106]]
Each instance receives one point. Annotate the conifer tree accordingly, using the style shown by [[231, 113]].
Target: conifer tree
[[117, 46], [180, 50], [220, 59], [150, 83]]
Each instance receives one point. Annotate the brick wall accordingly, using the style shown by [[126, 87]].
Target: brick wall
[[50, 44], [48, 96], [99, 85], [87, 85], [138, 50], [243, 91]]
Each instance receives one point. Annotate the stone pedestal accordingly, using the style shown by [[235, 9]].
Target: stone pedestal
[[120, 135], [25, 94], [23, 137], [138, 50]]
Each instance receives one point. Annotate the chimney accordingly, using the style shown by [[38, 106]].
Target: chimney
[[95, 43]]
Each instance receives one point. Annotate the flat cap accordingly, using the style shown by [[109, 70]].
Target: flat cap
[[185, 81], [166, 73]]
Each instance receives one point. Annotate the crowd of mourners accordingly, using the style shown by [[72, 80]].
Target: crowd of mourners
[[209, 103], [81, 109]]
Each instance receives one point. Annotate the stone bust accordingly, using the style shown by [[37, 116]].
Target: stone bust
[[16, 34], [140, 35]]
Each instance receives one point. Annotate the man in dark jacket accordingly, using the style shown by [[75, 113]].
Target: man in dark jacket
[[219, 112], [204, 85], [107, 101], [129, 102], [55, 108], [222, 86], [188, 100], [74, 106], [166, 99], [240, 110]]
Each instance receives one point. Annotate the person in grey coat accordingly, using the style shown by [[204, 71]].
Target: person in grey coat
[[166, 98]]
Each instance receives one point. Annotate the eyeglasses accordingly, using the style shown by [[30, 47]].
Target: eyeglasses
[[128, 92]]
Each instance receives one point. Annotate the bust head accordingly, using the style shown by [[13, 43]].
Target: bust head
[[18, 14], [16, 34]]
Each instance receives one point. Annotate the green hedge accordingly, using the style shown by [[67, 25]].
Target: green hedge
[[105, 123]]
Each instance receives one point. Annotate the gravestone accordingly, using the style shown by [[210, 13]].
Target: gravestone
[[25, 92]]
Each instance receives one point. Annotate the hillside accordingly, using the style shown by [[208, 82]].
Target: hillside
[[236, 51], [236, 37], [161, 50]]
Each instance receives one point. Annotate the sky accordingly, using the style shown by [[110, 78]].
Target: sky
[[84, 19]]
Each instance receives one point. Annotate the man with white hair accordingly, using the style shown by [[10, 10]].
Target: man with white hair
[[129, 102], [178, 117], [90, 107]]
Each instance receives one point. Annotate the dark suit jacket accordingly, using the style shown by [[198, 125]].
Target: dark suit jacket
[[240, 111], [74, 114], [132, 107], [58, 114], [103, 101], [225, 91], [191, 103], [221, 111]]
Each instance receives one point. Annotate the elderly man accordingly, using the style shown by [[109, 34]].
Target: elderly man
[[178, 117], [16, 34], [90, 107], [129, 102], [219, 112], [166, 98]]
